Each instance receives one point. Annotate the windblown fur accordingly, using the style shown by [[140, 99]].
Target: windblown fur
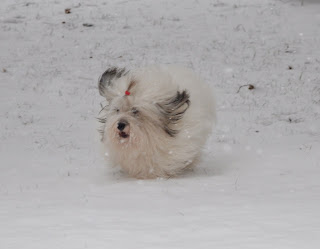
[[156, 120]]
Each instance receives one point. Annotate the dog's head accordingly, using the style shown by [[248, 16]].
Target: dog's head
[[140, 107]]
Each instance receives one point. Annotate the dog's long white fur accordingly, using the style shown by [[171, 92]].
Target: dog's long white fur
[[149, 151]]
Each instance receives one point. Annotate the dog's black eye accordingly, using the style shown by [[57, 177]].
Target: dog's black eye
[[134, 111], [117, 110]]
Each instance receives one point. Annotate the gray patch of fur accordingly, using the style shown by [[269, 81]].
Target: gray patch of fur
[[172, 111], [108, 77]]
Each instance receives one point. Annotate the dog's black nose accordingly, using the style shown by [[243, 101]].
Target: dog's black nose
[[121, 126]]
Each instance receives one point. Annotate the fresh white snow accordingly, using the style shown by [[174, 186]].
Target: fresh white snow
[[258, 183]]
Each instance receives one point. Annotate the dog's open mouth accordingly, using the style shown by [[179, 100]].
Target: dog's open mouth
[[122, 134]]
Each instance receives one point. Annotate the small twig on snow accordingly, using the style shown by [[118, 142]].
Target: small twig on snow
[[250, 87]]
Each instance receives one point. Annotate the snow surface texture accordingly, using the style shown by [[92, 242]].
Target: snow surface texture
[[258, 184]]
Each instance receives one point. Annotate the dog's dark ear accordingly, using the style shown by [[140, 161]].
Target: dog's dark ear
[[172, 110], [107, 79]]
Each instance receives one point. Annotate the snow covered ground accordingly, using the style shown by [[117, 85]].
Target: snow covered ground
[[258, 185]]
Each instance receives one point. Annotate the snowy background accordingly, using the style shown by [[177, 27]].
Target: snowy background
[[259, 183]]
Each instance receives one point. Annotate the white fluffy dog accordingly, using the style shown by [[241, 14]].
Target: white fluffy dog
[[156, 120]]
